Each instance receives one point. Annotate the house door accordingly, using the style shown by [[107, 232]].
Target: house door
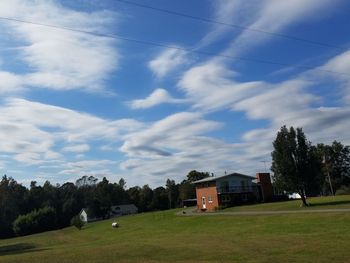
[[204, 203]]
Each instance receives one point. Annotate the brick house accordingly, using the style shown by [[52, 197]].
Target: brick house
[[232, 189]]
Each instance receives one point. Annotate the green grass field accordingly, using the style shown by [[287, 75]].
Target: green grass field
[[329, 202], [165, 237]]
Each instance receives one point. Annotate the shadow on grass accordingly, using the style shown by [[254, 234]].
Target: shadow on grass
[[344, 202], [18, 249]]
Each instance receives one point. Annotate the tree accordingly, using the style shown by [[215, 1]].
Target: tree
[[77, 222], [160, 199], [335, 165], [293, 162], [146, 197], [195, 175], [86, 181], [187, 190], [173, 193], [12, 204], [36, 221], [134, 194], [122, 183]]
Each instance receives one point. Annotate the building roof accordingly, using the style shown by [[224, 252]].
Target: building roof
[[214, 178], [127, 206], [83, 209]]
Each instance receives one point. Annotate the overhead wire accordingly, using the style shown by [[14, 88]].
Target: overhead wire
[[151, 43], [236, 26]]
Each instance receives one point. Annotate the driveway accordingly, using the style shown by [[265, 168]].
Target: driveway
[[193, 212]]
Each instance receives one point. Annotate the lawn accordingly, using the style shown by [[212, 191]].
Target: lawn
[[328, 202], [165, 237]]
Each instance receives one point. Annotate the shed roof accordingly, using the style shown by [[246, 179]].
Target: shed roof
[[83, 209], [214, 178]]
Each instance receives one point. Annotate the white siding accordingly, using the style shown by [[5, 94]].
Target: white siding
[[83, 216]]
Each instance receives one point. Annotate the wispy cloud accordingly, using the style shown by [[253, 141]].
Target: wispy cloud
[[78, 148], [167, 61], [158, 96], [32, 136], [211, 86], [275, 16], [60, 59]]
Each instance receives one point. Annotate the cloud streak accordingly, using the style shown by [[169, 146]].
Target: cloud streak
[[59, 59], [158, 96]]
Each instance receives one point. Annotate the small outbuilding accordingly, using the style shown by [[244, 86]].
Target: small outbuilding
[[121, 210], [83, 215]]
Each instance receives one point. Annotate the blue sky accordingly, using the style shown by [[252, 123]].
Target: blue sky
[[74, 104]]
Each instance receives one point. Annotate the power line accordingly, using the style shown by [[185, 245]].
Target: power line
[[150, 43], [240, 27]]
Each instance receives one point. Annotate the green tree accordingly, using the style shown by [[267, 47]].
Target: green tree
[[187, 190], [12, 204], [146, 197], [293, 162], [195, 175], [160, 199], [173, 193], [335, 165], [122, 183], [36, 221], [77, 222]]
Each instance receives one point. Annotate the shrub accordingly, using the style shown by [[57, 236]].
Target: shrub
[[36, 221], [344, 190], [77, 222]]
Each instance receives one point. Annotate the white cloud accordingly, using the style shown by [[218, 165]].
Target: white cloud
[[10, 83], [31, 135], [78, 148], [61, 59], [157, 97], [341, 64], [171, 147], [274, 16], [229, 12], [210, 86], [166, 61], [97, 168], [280, 103]]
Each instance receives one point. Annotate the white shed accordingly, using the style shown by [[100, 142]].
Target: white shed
[[83, 215]]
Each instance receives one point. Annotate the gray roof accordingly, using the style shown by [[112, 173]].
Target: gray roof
[[128, 206], [214, 178]]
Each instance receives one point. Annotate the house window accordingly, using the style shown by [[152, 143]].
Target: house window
[[210, 199]]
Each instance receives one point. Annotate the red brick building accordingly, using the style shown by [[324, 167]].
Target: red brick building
[[232, 189]]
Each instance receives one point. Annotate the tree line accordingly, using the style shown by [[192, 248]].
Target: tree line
[[46, 207], [307, 169], [297, 166]]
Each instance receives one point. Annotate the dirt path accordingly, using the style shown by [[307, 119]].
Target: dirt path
[[192, 212]]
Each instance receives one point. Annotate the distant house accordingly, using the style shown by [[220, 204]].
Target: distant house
[[121, 210], [232, 189], [116, 210]]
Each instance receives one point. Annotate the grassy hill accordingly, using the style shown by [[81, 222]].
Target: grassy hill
[[165, 237], [329, 202]]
